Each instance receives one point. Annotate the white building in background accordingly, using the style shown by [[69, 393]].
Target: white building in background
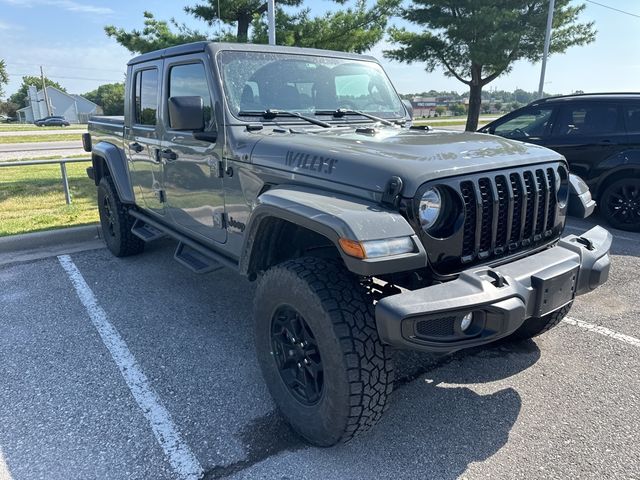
[[74, 108]]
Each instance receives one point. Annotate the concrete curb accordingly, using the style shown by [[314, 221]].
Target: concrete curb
[[50, 238]]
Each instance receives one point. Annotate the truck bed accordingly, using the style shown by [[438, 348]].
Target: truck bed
[[107, 129], [107, 126]]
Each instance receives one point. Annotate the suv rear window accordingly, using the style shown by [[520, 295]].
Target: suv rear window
[[146, 97]]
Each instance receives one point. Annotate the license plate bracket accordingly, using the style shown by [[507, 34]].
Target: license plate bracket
[[555, 287]]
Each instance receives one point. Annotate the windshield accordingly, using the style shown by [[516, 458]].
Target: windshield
[[257, 81]]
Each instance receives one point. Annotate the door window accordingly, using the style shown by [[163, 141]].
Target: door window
[[529, 123], [633, 119], [191, 80], [146, 97], [587, 120]]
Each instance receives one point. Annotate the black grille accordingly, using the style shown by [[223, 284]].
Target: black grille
[[507, 211], [436, 327]]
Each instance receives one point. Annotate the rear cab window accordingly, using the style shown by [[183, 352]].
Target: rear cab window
[[146, 97]]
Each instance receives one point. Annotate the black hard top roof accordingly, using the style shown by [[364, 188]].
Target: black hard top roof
[[603, 96], [197, 47]]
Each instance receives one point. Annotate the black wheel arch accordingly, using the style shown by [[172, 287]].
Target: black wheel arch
[[107, 159]]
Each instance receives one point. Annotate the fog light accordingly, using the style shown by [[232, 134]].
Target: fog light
[[466, 321]]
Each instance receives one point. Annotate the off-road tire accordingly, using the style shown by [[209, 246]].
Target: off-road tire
[[357, 367], [116, 222], [535, 326], [615, 192]]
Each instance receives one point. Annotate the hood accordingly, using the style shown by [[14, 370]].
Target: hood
[[366, 158]]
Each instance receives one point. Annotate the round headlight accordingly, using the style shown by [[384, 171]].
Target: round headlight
[[430, 208]]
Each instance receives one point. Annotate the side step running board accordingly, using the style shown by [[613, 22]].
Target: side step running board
[[194, 260], [194, 255], [145, 231]]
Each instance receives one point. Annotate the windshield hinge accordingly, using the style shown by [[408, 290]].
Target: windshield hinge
[[391, 194]]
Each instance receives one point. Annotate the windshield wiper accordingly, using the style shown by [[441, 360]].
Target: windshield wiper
[[341, 112], [270, 114]]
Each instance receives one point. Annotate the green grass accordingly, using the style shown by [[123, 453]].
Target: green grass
[[32, 198], [20, 127], [40, 138]]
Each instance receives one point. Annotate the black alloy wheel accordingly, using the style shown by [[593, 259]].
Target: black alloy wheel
[[116, 222], [620, 204], [296, 355], [108, 220]]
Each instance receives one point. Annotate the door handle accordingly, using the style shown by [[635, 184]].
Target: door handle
[[607, 142], [136, 147], [168, 154]]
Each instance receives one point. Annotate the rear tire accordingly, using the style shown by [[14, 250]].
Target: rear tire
[[319, 350], [116, 222], [620, 204], [533, 327]]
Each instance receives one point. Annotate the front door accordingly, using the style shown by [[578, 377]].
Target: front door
[[530, 124], [192, 167], [142, 136]]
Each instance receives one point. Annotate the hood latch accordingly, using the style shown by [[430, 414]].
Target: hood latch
[[391, 194]]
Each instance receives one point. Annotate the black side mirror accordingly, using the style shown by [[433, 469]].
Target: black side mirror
[[186, 113], [408, 107]]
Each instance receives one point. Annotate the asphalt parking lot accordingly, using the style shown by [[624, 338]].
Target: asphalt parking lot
[[139, 369]]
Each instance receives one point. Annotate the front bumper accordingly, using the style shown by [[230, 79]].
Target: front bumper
[[500, 299]]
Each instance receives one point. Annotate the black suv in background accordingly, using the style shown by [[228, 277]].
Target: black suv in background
[[599, 134]]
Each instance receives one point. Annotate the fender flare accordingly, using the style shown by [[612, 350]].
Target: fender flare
[[116, 162], [335, 216]]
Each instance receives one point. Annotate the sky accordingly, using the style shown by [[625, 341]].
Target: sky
[[66, 37]]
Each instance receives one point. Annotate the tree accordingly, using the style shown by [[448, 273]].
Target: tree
[[110, 97], [4, 77], [498, 106], [155, 35], [354, 29], [458, 109], [20, 97], [8, 108], [440, 110], [239, 12], [477, 41]]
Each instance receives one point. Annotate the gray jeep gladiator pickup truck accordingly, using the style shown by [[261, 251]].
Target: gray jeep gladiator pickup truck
[[301, 169]]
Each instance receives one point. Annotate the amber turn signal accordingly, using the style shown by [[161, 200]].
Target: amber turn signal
[[352, 248]]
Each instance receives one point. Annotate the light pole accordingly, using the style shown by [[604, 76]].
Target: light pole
[[271, 19], [547, 41]]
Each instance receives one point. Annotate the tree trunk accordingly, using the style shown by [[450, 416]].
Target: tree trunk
[[243, 28], [475, 103]]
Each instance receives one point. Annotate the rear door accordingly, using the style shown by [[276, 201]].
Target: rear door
[[143, 135], [587, 133], [193, 172]]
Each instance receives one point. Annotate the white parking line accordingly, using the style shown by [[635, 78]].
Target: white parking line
[[180, 456], [603, 331], [5, 474]]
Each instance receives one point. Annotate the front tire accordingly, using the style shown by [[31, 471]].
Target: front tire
[[116, 222], [319, 350], [620, 204]]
